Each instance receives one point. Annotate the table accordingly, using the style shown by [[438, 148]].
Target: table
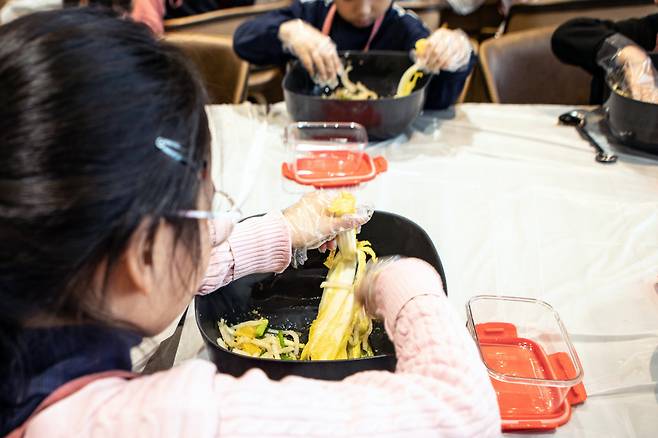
[[515, 205]]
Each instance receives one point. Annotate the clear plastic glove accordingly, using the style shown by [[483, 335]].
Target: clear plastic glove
[[316, 51], [313, 226], [446, 49], [365, 290], [628, 68]]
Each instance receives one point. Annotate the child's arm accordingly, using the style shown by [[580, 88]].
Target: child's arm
[[449, 55], [257, 40], [445, 89], [257, 245], [577, 42], [440, 386], [151, 13], [265, 244]]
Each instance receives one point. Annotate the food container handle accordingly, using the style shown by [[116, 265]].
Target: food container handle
[[381, 165]]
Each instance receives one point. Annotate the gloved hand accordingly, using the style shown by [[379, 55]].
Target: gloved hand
[[316, 51], [365, 290], [628, 69], [446, 49], [312, 225]]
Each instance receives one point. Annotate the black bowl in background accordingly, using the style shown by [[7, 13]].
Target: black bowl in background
[[633, 123], [381, 72], [290, 300]]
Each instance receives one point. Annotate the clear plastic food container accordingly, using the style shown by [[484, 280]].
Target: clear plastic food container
[[329, 154], [532, 363]]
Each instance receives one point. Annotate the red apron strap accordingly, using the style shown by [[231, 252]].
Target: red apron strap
[[67, 389], [375, 29], [329, 21]]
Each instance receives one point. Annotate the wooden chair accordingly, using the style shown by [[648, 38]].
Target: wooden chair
[[264, 84], [542, 13], [480, 24], [427, 10], [468, 84], [224, 74], [223, 21], [520, 68]]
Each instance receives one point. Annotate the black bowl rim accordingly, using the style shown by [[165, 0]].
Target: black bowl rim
[[630, 99], [348, 53], [266, 359], [654, 58], [211, 341]]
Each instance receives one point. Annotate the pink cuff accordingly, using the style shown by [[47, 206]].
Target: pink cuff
[[258, 245], [261, 245], [403, 281], [220, 265]]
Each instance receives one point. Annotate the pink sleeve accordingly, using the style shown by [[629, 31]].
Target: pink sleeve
[[440, 388], [257, 245], [151, 13]]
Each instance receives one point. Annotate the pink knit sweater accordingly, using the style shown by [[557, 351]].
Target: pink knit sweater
[[440, 387]]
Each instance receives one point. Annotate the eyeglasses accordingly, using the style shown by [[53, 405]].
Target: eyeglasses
[[222, 205]]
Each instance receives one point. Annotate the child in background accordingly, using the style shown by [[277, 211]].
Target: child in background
[[313, 31], [154, 12], [601, 47], [107, 234]]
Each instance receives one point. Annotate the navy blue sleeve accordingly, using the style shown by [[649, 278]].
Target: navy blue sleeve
[[415, 30], [578, 41], [444, 89], [257, 40]]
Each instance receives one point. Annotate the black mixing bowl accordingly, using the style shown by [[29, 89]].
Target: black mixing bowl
[[380, 71], [634, 123], [290, 300]]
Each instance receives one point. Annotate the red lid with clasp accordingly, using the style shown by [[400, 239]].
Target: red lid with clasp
[[329, 155], [532, 364]]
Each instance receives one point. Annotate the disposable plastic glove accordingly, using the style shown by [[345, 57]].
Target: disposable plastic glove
[[312, 225], [316, 51], [446, 49], [366, 289], [628, 68]]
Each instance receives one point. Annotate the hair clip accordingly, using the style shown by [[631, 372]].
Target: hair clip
[[171, 148], [174, 150]]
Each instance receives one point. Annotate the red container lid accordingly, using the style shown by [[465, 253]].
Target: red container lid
[[337, 168], [527, 406]]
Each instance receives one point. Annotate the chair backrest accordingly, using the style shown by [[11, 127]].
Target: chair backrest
[[427, 10], [520, 68], [540, 13], [223, 21], [223, 72], [466, 91]]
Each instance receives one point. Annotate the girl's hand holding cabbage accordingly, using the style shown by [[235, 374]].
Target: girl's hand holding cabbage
[[312, 222]]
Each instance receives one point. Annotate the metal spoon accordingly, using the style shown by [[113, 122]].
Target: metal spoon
[[577, 118]]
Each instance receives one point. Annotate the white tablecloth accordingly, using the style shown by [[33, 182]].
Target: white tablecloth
[[515, 205]]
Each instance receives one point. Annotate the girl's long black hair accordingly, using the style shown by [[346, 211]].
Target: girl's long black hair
[[84, 94]]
